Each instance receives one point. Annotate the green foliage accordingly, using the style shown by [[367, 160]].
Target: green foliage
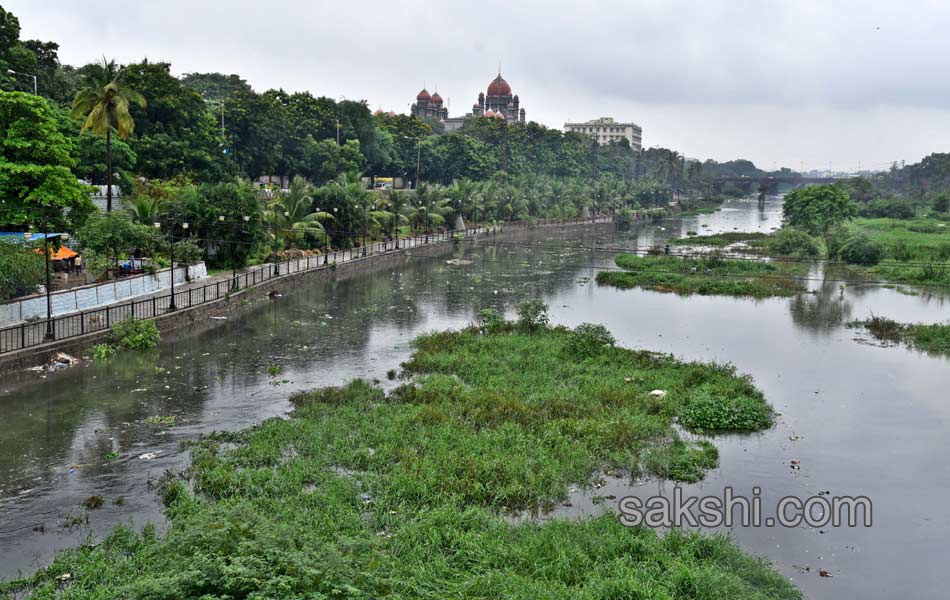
[[703, 412], [816, 209], [589, 340], [683, 461], [931, 338], [532, 315], [888, 208], [861, 250], [21, 270], [790, 241], [366, 494], [706, 276], [103, 352], [135, 334], [115, 235], [941, 202], [36, 183], [187, 252]]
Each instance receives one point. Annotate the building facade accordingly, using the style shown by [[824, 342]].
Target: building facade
[[496, 102], [606, 130], [429, 106]]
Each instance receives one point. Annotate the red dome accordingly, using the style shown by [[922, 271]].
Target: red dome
[[437, 98], [489, 113], [423, 96], [499, 87], [498, 115]]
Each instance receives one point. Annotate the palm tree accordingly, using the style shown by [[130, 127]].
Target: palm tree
[[104, 103], [290, 217]]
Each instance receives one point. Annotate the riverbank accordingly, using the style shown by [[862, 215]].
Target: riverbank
[[363, 493]]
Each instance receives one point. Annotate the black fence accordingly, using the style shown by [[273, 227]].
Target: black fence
[[42, 331]]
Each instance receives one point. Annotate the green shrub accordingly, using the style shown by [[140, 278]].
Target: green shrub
[[532, 314], [704, 411], [101, 352], [861, 250], [891, 209], [589, 340], [789, 241], [941, 202], [135, 334]]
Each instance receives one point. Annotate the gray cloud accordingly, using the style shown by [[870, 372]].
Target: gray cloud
[[779, 82]]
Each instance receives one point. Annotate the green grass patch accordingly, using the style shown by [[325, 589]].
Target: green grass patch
[[916, 251], [932, 338], [364, 494], [705, 276]]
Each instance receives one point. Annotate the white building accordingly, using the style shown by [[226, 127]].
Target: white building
[[605, 130]]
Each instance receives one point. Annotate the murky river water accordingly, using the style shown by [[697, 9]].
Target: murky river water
[[861, 419]]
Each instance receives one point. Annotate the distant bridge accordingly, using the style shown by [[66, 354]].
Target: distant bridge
[[771, 183]]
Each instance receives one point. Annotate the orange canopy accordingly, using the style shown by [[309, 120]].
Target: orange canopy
[[63, 253]]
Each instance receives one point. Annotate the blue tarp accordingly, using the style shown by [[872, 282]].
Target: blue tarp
[[34, 237]]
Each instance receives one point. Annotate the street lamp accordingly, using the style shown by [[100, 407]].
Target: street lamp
[[326, 237], [12, 72]]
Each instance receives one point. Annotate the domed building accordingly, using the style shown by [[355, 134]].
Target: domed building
[[499, 101], [429, 106], [496, 102]]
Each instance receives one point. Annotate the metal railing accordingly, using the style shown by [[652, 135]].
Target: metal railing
[[35, 333]]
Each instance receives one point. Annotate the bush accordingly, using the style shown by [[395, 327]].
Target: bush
[[891, 209], [135, 335], [589, 340], [861, 250], [102, 352], [789, 241], [532, 314], [941, 202], [21, 270]]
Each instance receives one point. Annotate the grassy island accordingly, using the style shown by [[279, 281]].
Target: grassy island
[[932, 338], [367, 494], [706, 276]]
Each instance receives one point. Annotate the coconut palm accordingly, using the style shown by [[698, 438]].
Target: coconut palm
[[103, 103], [291, 217]]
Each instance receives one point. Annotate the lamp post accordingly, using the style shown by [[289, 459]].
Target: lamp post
[[365, 209], [35, 87], [326, 237]]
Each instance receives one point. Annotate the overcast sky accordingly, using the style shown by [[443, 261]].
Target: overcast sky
[[818, 82]]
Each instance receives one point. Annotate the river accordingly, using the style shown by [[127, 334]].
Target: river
[[860, 419]]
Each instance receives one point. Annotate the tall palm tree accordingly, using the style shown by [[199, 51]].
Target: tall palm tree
[[103, 102]]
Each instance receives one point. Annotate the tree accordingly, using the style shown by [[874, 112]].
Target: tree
[[21, 270], [37, 187], [104, 103], [115, 235], [291, 218], [817, 208], [215, 86], [941, 202]]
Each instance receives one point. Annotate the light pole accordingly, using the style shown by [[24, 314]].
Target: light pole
[[171, 252], [326, 237], [35, 87]]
